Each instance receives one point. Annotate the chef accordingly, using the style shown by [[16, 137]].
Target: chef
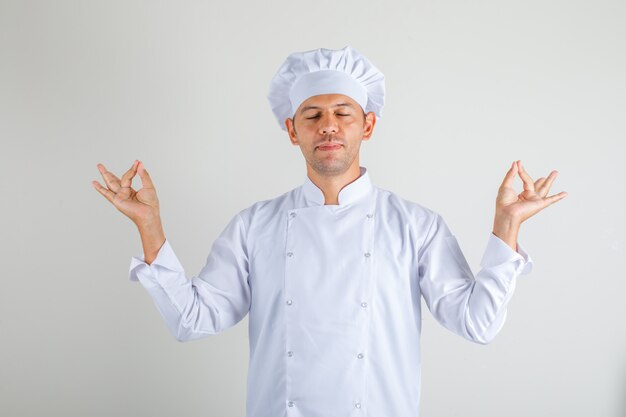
[[333, 272]]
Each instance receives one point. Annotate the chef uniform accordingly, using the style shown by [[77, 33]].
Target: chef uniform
[[333, 292]]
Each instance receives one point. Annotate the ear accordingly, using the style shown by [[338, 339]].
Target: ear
[[293, 137], [368, 126]]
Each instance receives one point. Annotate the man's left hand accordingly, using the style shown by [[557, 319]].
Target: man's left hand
[[512, 209]]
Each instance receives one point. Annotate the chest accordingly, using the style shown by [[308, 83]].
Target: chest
[[329, 258]]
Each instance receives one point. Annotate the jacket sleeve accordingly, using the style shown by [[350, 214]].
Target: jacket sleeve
[[207, 304], [471, 306]]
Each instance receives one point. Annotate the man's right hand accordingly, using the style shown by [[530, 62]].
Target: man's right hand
[[142, 206]]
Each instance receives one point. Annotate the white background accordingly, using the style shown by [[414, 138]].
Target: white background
[[471, 86]]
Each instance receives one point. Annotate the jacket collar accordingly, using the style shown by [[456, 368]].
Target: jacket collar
[[352, 192]]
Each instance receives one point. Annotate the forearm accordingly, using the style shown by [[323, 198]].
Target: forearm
[[152, 239], [506, 229], [207, 303]]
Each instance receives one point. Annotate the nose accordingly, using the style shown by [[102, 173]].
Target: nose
[[328, 124]]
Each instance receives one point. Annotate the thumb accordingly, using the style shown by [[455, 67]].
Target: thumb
[[146, 181]]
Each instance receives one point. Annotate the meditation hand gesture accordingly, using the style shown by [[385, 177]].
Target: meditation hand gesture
[[531, 200], [142, 206], [512, 209]]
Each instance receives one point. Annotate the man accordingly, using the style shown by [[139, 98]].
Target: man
[[332, 273]]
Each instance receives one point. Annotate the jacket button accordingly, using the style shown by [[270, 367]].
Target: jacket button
[[363, 304], [289, 302]]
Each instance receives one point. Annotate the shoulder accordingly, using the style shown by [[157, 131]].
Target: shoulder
[[400, 214], [268, 208], [391, 203]]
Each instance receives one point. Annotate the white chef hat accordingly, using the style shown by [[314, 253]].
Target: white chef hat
[[325, 71]]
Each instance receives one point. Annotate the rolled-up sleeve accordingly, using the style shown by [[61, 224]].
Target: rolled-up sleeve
[[473, 306], [206, 304]]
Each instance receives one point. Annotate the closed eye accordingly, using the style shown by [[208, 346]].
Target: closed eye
[[338, 114]]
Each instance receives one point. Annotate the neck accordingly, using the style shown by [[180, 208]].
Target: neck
[[331, 185]]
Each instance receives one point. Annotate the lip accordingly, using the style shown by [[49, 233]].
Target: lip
[[329, 147]]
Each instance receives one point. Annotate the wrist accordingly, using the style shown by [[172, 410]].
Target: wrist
[[152, 226], [152, 239], [507, 229]]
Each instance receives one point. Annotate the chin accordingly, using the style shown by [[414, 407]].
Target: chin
[[330, 169]]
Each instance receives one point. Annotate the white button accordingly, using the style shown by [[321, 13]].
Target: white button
[[367, 254], [289, 302], [290, 403], [290, 353], [369, 215], [360, 356], [363, 304], [290, 254], [292, 214], [357, 405]]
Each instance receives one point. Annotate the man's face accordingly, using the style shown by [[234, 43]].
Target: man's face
[[329, 129]]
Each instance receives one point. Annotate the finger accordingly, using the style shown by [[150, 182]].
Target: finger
[[108, 194], [528, 182], [127, 178], [539, 182], [109, 178], [509, 177], [546, 186], [554, 198], [146, 181]]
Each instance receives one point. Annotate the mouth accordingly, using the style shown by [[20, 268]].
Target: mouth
[[329, 147]]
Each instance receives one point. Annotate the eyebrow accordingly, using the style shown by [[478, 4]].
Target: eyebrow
[[316, 107]]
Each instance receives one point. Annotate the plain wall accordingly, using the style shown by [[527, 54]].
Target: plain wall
[[471, 86]]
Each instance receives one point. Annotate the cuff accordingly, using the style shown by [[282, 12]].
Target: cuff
[[498, 252], [165, 258]]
